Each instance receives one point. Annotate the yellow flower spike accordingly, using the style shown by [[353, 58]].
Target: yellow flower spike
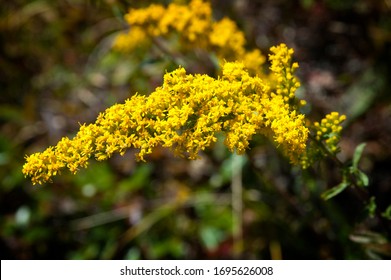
[[283, 69], [184, 114]]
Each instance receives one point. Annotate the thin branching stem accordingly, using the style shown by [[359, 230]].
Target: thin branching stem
[[361, 192]]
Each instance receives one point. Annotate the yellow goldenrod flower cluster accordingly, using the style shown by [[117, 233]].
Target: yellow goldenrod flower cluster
[[194, 27], [329, 130], [283, 69], [327, 133], [185, 114]]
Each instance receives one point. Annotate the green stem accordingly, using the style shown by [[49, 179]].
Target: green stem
[[361, 192]]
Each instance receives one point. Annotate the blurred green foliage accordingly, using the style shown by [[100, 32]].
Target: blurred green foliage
[[57, 70]]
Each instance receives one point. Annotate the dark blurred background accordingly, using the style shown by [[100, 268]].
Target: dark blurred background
[[57, 71]]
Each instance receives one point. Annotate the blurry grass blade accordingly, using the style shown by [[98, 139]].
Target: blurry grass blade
[[376, 245], [170, 208], [334, 191], [148, 221], [100, 219], [360, 96], [368, 237]]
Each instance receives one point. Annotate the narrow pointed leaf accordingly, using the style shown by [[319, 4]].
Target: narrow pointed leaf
[[362, 179], [387, 214], [334, 191], [357, 154]]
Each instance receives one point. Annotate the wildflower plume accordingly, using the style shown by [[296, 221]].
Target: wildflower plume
[[195, 28], [185, 114]]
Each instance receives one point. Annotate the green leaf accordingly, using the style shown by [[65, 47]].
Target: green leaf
[[335, 190], [362, 179], [371, 207], [387, 214], [357, 154], [211, 237]]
